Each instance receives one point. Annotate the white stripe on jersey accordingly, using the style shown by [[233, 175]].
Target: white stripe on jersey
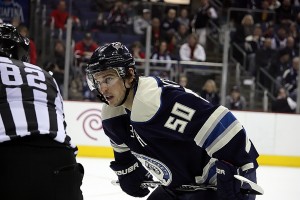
[[224, 138], [18, 113], [213, 180], [208, 166], [3, 137], [210, 124], [41, 111], [248, 145], [61, 134], [5, 60], [247, 166], [120, 148]]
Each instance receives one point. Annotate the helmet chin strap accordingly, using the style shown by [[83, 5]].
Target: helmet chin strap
[[126, 93]]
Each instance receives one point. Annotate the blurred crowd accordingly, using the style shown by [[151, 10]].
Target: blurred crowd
[[270, 40], [266, 31]]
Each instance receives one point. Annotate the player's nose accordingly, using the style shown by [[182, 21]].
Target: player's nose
[[103, 88]]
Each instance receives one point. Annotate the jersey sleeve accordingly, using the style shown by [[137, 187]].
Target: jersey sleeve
[[213, 128], [116, 127]]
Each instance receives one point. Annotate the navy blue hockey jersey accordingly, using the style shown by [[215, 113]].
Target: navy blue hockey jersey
[[176, 134]]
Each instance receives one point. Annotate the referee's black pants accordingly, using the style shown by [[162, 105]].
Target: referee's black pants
[[39, 168]]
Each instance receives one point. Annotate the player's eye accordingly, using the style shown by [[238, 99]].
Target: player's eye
[[108, 80]]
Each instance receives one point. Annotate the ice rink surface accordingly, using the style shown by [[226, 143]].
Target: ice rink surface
[[279, 183]]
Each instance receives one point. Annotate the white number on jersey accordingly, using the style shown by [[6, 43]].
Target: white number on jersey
[[168, 83], [11, 75], [183, 112]]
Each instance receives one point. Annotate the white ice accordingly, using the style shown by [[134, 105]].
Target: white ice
[[278, 182]]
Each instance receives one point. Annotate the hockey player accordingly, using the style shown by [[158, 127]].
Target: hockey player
[[160, 127], [38, 160]]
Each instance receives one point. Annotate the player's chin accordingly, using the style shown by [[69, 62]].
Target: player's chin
[[113, 103]]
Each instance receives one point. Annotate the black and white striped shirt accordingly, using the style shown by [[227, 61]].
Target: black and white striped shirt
[[30, 103]]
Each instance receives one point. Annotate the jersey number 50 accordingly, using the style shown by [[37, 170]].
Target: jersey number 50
[[180, 111]]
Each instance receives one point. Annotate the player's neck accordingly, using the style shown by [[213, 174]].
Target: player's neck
[[128, 103]]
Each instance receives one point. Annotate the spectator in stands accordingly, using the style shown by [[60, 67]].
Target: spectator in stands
[[192, 50], [162, 55], [279, 65], [200, 21], [280, 38], [265, 17], [210, 92], [117, 18], [293, 31], [274, 4], [283, 103], [243, 30], [183, 80], [291, 47], [173, 47], [235, 101], [264, 56], [99, 24], [269, 32], [23, 30], [183, 17], [75, 90], [84, 48], [296, 4], [16, 21], [102, 7], [169, 24], [253, 42], [141, 23], [136, 50], [285, 13], [55, 63], [290, 76], [59, 16], [182, 34], [157, 35], [157, 10]]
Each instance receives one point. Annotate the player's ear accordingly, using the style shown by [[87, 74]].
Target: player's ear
[[131, 75]]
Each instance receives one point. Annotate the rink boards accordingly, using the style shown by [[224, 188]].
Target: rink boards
[[276, 136]]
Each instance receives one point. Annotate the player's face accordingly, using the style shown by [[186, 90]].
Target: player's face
[[111, 86]]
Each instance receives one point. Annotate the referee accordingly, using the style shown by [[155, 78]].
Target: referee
[[38, 160]]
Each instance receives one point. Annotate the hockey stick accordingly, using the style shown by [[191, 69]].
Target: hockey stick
[[153, 184], [255, 189]]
